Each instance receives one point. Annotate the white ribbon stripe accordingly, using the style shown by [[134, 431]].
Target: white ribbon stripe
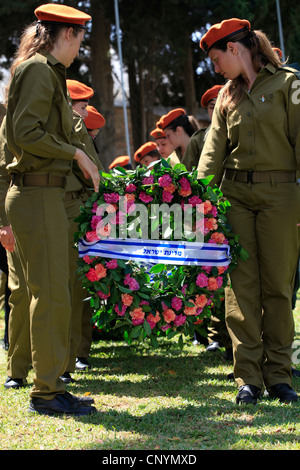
[[158, 251]]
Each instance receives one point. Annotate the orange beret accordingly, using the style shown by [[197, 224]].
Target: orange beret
[[157, 133], [94, 120], [79, 91], [171, 116], [278, 51], [144, 150], [120, 161], [223, 30], [210, 94], [61, 14]]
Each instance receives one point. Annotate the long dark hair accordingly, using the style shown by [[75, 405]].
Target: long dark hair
[[262, 54], [39, 36]]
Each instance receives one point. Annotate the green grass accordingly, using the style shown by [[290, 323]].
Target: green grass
[[165, 399]]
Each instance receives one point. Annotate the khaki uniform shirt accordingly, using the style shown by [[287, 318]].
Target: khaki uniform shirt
[[39, 118], [261, 133], [194, 149]]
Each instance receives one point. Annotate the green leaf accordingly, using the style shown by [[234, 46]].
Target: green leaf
[[158, 268]]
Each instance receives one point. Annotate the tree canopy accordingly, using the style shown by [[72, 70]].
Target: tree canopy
[[160, 48]]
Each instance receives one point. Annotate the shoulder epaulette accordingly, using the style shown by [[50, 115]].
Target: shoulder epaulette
[[292, 70]]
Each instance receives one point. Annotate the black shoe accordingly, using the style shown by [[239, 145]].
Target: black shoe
[[295, 372], [248, 394], [284, 392], [14, 383], [66, 378], [82, 363], [61, 404], [85, 400]]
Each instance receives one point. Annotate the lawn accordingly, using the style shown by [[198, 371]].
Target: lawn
[[154, 400]]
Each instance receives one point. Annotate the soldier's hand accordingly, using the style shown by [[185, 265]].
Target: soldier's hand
[[88, 168], [7, 238]]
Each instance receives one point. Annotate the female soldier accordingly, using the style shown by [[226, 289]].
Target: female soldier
[[254, 144], [178, 128], [39, 135]]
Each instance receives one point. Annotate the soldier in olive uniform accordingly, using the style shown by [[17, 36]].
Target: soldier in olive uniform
[[195, 145], [38, 134], [178, 129], [253, 149]]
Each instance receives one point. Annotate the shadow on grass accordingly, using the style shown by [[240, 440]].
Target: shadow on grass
[[197, 409]]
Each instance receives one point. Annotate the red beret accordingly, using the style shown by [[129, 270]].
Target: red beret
[[166, 119], [61, 14], [120, 161], [157, 133], [94, 120], [223, 30], [278, 51], [210, 94], [144, 150], [79, 91]]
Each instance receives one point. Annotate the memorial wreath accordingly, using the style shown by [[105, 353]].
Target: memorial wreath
[[152, 275]]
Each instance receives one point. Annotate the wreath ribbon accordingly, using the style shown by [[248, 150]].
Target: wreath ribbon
[[158, 251]]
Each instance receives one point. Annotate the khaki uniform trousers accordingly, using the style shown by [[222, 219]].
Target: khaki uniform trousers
[[19, 351], [78, 294], [259, 313], [38, 219]]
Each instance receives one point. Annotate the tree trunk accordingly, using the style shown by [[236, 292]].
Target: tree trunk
[[102, 81]]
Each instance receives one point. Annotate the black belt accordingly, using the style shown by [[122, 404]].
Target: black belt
[[30, 179], [249, 176]]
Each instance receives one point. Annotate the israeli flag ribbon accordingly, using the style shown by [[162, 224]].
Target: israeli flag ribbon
[[158, 251]]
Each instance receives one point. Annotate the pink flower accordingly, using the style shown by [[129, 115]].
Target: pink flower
[[137, 315], [219, 238], [207, 269], [195, 200], [111, 198], [130, 206], [91, 236], [176, 303], [222, 269], [112, 264], [127, 299], [95, 207], [92, 275], [130, 188], [183, 289], [100, 270], [104, 231], [171, 188], [219, 280], [131, 282], [169, 315], [212, 283], [210, 224], [117, 218], [185, 187], [191, 310], [179, 320], [117, 310], [94, 222], [102, 295], [200, 300], [148, 180], [166, 196], [152, 320], [87, 259], [164, 180], [145, 197], [202, 280]]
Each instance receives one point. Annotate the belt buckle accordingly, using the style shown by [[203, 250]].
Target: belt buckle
[[249, 176]]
